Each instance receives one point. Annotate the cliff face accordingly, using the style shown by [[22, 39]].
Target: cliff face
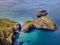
[[28, 25], [45, 23], [40, 23], [6, 31]]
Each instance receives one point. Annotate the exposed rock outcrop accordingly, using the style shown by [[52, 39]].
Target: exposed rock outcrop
[[42, 22], [41, 13], [45, 23], [6, 31], [28, 25]]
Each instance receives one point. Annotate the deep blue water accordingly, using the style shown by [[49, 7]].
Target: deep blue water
[[21, 10]]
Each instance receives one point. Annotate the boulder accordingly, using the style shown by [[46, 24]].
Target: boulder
[[41, 13]]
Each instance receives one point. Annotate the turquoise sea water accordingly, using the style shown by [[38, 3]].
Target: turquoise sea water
[[21, 10], [39, 37]]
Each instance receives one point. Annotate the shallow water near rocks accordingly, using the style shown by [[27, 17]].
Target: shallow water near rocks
[[38, 37]]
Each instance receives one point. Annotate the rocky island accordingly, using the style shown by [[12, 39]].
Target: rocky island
[[41, 22], [6, 31]]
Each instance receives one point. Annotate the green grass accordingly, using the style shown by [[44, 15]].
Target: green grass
[[5, 21], [28, 22]]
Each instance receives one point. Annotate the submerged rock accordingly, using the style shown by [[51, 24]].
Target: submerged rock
[[21, 42], [6, 31], [28, 25]]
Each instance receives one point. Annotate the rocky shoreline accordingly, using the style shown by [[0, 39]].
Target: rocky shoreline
[[9, 28]]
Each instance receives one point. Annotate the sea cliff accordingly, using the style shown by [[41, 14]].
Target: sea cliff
[[6, 31]]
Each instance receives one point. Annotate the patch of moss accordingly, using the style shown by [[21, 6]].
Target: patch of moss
[[6, 21], [9, 20]]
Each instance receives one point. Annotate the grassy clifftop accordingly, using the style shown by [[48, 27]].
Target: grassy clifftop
[[6, 26], [5, 21]]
